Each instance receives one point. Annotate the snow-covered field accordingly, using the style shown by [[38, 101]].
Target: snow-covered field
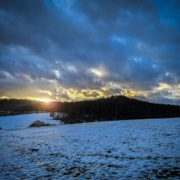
[[24, 121], [140, 149]]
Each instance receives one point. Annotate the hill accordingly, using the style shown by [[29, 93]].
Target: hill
[[116, 108]]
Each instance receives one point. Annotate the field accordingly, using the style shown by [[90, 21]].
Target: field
[[134, 149]]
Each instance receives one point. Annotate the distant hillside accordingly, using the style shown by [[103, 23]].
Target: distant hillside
[[116, 108], [113, 108], [16, 106]]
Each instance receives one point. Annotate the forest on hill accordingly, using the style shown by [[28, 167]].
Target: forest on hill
[[106, 109]]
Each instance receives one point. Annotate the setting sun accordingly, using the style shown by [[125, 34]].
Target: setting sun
[[44, 100]]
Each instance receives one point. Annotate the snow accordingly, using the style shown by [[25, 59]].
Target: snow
[[134, 149], [24, 121]]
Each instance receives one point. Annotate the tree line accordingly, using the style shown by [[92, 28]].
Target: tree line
[[105, 109]]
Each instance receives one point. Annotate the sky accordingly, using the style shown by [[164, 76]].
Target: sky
[[72, 50]]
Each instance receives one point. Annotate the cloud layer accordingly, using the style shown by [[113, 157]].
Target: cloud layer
[[76, 49]]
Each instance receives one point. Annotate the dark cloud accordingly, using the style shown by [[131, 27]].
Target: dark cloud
[[54, 48]]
